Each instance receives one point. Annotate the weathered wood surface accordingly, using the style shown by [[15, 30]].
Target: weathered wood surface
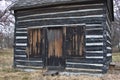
[[75, 41]]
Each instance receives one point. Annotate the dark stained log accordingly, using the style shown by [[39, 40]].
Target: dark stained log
[[84, 60], [97, 32], [92, 40], [57, 9], [21, 34], [94, 48], [21, 41], [20, 52], [94, 54], [29, 63], [84, 66], [62, 22], [98, 12], [21, 58], [28, 60], [21, 47]]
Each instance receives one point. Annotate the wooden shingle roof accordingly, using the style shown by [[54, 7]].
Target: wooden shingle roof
[[22, 4]]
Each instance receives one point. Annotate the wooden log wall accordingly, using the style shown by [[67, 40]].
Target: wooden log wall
[[92, 15], [107, 40]]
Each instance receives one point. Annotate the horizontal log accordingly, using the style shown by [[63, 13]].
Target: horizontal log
[[26, 58], [21, 37], [71, 13], [94, 48], [92, 40], [94, 32], [93, 25], [90, 61], [32, 59], [94, 54], [28, 67], [109, 54], [21, 34], [94, 36], [21, 41], [94, 44], [81, 70], [22, 56], [94, 57], [29, 63], [109, 48], [57, 10], [21, 29], [20, 52], [94, 29], [62, 18], [62, 22], [21, 44], [109, 51], [94, 51], [83, 66], [20, 47]]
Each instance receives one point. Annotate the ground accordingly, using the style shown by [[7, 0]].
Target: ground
[[8, 73]]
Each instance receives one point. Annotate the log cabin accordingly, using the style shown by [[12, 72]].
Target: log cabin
[[67, 35]]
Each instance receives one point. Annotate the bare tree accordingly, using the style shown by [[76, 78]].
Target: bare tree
[[116, 24], [6, 20]]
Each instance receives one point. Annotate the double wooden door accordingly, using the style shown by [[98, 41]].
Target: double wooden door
[[55, 44]]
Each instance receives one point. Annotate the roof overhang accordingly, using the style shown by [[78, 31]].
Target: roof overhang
[[39, 3], [28, 4]]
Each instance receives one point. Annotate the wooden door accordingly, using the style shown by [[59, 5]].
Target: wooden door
[[55, 44]]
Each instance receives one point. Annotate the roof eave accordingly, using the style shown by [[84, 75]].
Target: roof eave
[[49, 4]]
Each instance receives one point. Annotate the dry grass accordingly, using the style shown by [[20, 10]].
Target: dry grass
[[116, 57], [8, 73]]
